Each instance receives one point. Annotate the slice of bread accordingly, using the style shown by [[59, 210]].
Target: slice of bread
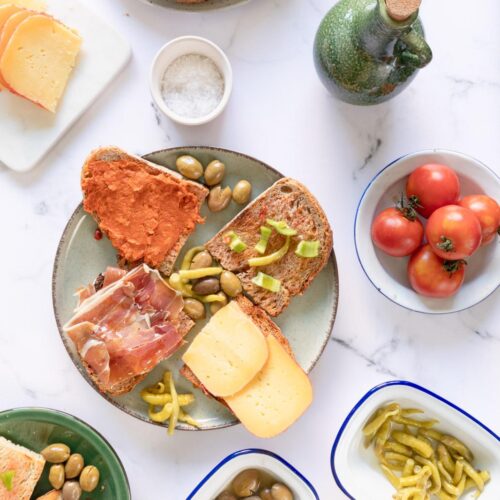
[[95, 192], [27, 467], [265, 324], [286, 200], [51, 495]]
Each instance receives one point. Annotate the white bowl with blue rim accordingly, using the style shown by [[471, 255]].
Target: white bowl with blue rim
[[355, 468], [220, 477], [388, 274]]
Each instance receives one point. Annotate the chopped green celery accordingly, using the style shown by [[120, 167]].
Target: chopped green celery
[[236, 244], [267, 282], [272, 257], [307, 249], [265, 233], [7, 478], [282, 227]]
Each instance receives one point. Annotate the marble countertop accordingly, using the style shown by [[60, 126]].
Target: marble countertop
[[280, 113]]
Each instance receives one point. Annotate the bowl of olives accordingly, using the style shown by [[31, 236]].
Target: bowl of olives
[[79, 461], [254, 474]]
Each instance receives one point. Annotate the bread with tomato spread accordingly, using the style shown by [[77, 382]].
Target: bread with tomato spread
[[147, 211], [286, 200]]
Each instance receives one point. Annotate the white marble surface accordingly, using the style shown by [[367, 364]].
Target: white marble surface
[[280, 113]]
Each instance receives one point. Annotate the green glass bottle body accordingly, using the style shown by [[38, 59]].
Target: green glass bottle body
[[363, 56]]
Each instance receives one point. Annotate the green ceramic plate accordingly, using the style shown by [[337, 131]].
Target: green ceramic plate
[[207, 5], [35, 428], [80, 258]]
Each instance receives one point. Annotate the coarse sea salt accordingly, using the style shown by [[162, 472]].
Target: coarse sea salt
[[192, 86]]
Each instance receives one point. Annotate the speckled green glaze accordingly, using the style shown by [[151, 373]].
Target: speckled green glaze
[[363, 56]]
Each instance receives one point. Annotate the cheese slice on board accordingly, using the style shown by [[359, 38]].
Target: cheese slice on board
[[6, 11], [228, 352], [276, 398], [39, 59], [27, 4], [8, 29]]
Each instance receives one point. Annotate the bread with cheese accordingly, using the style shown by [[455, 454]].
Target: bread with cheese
[[38, 60]]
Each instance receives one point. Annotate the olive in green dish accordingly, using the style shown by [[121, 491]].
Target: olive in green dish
[[74, 466], [230, 283], [242, 192], [194, 309], [219, 198], [37, 428], [214, 173], [201, 260], [189, 167]]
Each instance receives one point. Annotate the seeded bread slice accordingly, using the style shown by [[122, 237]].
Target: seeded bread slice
[[265, 324], [122, 159], [286, 200], [183, 324], [27, 467]]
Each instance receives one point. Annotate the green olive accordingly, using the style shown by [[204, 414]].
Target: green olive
[[71, 491], [189, 167], [56, 453], [226, 495], [280, 492], [218, 198], [230, 283], [89, 478], [242, 192], [215, 306], [201, 260], [74, 466], [246, 483], [207, 286], [194, 309], [56, 476], [214, 173], [266, 494]]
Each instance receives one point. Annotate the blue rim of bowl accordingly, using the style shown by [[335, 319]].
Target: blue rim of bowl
[[379, 173], [78, 423], [370, 393], [250, 451]]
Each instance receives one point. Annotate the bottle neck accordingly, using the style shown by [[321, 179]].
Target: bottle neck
[[380, 31]]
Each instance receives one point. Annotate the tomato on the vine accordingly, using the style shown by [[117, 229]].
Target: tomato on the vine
[[432, 186], [487, 211], [432, 276], [453, 232], [397, 231]]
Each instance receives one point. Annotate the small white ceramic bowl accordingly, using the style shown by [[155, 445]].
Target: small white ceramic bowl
[[182, 46], [219, 478], [388, 274], [355, 468]]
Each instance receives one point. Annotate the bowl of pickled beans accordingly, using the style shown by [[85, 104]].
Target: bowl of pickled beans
[[254, 474], [402, 440]]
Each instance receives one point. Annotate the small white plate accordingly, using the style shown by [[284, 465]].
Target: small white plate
[[388, 274], [355, 467], [219, 478], [28, 132]]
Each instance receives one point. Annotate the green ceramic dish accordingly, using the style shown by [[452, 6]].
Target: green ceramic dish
[[80, 258], [36, 428], [207, 5]]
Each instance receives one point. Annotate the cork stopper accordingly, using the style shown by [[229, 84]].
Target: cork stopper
[[400, 10]]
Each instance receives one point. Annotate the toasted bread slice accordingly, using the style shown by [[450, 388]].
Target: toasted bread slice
[[286, 200], [139, 226], [265, 325], [51, 495], [27, 467]]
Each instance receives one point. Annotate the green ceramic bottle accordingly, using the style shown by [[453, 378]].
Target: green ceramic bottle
[[364, 56]]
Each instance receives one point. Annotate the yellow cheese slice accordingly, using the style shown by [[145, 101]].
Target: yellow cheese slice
[[27, 4], [6, 11], [8, 29], [228, 352], [38, 60], [276, 398]]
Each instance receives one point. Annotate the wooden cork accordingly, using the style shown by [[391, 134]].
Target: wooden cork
[[400, 10]]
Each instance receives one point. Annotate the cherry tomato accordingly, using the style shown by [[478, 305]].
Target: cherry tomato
[[487, 210], [434, 186], [432, 276], [395, 234], [453, 232]]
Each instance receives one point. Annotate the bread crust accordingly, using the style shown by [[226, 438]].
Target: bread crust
[[288, 200], [114, 154]]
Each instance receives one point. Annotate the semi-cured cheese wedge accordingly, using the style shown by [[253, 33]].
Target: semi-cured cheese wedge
[[228, 353], [8, 29], [27, 4], [277, 396], [38, 60]]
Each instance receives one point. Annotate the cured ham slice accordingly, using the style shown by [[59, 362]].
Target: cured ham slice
[[126, 326]]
